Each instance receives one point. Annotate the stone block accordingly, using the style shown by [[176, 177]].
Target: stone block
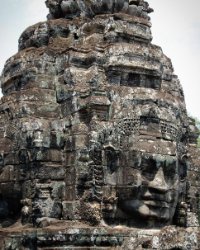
[[70, 193], [70, 210], [47, 171], [7, 174], [70, 158], [57, 140], [70, 177], [81, 141]]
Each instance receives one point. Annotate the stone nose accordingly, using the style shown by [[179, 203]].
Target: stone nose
[[159, 182]]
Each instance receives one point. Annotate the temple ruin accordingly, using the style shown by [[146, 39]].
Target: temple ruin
[[97, 150]]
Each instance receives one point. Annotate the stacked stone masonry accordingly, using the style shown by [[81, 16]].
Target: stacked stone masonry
[[96, 148]]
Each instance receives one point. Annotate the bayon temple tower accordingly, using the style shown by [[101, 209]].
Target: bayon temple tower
[[97, 150]]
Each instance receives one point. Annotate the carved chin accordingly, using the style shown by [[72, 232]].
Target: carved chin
[[153, 210]]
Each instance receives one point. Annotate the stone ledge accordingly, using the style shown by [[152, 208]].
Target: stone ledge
[[64, 236]]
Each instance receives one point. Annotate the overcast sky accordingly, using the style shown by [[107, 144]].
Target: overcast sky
[[176, 28]]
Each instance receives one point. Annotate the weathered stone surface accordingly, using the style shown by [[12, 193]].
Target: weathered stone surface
[[96, 148], [72, 237]]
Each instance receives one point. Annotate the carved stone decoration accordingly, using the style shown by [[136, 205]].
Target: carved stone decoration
[[96, 147]]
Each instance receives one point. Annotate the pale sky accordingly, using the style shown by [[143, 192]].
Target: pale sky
[[176, 28]]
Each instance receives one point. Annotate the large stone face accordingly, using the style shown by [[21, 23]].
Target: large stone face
[[94, 130]]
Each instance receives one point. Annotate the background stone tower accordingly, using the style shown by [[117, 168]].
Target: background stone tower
[[95, 135]]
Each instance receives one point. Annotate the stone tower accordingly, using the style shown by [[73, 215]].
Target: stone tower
[[96, 147]]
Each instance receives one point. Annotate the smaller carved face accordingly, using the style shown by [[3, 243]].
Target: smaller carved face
[[154, 188]]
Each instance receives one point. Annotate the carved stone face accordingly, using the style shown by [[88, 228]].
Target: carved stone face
[[154, 189], [106, 141], [148, 183]]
